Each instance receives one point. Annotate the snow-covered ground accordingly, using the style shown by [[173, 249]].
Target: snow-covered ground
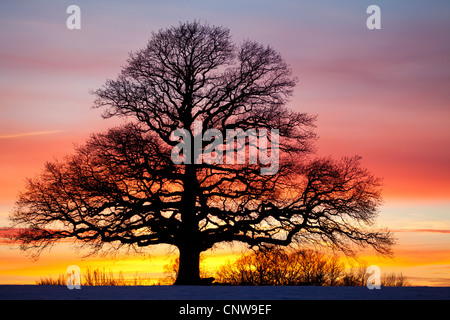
[[35, 292]]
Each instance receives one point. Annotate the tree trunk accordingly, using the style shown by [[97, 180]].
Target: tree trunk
[[189, 268], [189, 246]]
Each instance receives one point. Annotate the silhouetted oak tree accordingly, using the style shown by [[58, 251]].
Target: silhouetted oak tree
[[122, 187]]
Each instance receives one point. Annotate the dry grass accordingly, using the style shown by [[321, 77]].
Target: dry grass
[[98, 277]]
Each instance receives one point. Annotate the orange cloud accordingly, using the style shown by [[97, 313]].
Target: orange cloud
[[421, 230]]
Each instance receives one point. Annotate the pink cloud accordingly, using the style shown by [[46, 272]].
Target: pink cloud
[[421, 230]]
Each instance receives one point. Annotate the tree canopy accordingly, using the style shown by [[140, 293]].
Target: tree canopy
[[122, 186]]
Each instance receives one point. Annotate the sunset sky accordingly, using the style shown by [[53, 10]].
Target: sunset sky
[[381, 94]]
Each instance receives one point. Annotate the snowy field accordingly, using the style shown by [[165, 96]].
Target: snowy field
[[35, 292]]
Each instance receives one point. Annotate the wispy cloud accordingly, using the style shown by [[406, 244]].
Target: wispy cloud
[[8, 236], [422, 230], [27, 134]]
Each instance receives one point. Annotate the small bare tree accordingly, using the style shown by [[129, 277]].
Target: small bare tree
[[279, 267], [356, 275]]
